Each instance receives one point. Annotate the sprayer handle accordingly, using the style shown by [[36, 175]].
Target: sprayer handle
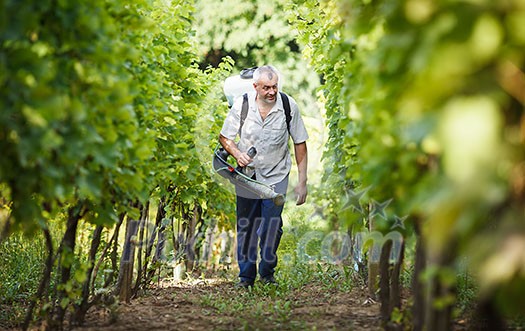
[[252, 152]]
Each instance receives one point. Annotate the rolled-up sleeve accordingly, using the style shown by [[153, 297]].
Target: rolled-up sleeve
[[230, 127], [297, 128]]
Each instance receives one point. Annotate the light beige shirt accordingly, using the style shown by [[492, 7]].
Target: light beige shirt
[[270, 137]]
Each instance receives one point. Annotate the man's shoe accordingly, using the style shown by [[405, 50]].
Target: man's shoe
[[269, 281], [244, 284]]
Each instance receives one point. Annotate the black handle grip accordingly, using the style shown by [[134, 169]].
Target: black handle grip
[[252, 152]]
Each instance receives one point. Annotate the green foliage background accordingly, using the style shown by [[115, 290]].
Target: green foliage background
[[99, 102], [421, 109], [98, 107]]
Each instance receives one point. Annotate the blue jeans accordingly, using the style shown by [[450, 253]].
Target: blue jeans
[[257, 220]]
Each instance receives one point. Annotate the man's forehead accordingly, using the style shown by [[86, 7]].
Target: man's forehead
[[266, 80]]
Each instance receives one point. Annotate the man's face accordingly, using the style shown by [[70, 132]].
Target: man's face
[[267, 88]]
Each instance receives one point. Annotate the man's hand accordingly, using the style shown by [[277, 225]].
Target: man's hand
[[243, 159], [301, 192]]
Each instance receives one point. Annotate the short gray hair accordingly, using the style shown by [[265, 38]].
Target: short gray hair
[[265, 70]]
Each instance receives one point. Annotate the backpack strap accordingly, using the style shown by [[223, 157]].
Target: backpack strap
[[244, 111], [286, 105], [287, 110]]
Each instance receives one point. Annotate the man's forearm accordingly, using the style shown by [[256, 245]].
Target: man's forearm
[[301, 157], [230, 146]]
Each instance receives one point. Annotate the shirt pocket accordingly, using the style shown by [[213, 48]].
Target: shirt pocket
[[278, 133]]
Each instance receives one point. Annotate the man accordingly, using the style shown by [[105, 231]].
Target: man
[[266, 128]]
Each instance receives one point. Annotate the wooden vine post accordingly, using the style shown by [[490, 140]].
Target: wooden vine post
[[125, 279], [373, 261]]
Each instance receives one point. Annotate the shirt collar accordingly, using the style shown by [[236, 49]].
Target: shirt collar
[[278, 104]]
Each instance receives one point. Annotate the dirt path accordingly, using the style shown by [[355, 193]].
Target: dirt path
[[217, 305]]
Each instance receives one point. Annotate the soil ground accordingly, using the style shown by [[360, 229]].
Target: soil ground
[[193, 306], [216, 304]]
